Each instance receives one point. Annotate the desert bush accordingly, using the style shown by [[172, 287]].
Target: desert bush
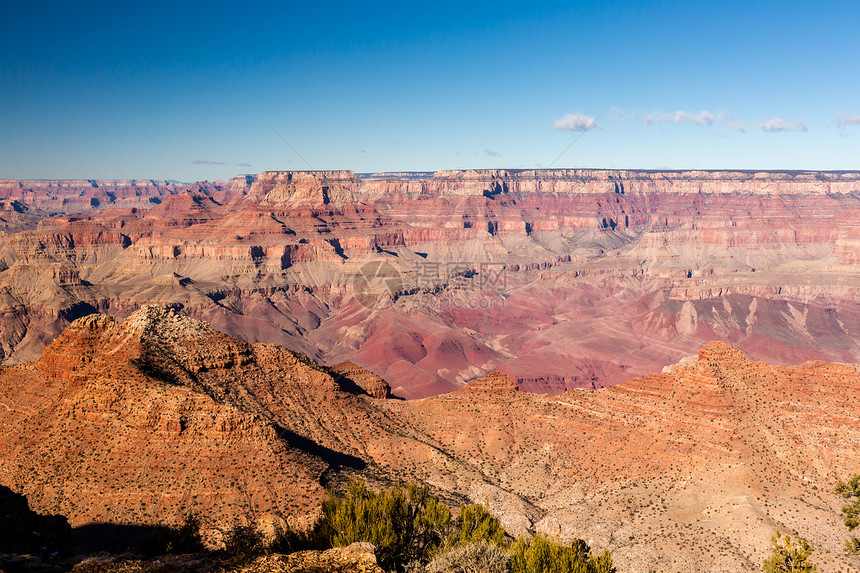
[[187, 538], [288, 540], [544, 555], [474, 524], [471, 558], [850, 490], [403, 525], [789, 555], [414, 532], [244, 541]]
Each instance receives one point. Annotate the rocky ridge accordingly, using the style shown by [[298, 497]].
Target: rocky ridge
[[688, 470]]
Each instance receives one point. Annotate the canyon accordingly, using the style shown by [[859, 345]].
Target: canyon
[[140, 421], [558, 278]]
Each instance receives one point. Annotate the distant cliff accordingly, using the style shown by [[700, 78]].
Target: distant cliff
[[341, 187], [558, 278]]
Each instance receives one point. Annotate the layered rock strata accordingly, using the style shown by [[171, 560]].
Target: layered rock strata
[[559, 278]]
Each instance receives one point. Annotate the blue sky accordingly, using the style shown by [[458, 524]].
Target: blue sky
[[108, 90]]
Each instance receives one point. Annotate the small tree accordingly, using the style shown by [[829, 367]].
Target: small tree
[[544, 555], [186, 538], [244, 541], [851, 510], [431, 521], [789, 555], [173, 540], [474, 524], [403, 525]]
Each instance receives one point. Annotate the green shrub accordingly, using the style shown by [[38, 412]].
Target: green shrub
[[475, 525], [411, 528], [850, 490], [403, 525], [789, 555], [544, 555]]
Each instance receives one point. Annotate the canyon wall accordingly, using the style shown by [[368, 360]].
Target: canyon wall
[[559, 278]]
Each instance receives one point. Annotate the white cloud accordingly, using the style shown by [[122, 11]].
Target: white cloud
[[771, 126], [843, 120], [701, 118], [779, 124], [576, 122], [704, 118]]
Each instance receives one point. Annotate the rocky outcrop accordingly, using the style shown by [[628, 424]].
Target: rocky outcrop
[[354, 558], [373, 385], [494, 382], [133, 411], [25, 531]]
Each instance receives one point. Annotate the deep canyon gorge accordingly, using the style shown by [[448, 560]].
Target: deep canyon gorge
[[559, 278]]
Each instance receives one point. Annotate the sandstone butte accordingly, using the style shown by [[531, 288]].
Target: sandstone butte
[[693, 469], [558, 278]]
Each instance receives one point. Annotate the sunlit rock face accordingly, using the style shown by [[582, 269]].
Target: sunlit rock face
[[141, 421]]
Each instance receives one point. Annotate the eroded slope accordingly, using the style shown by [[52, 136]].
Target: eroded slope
[[688, 470]]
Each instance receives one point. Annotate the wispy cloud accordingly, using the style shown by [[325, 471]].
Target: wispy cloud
[[701, 118], [725, 117], [617, 114], [843, 120], [576, 122], [490, 152], [704, 118], [207, 162], [779, 124]]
